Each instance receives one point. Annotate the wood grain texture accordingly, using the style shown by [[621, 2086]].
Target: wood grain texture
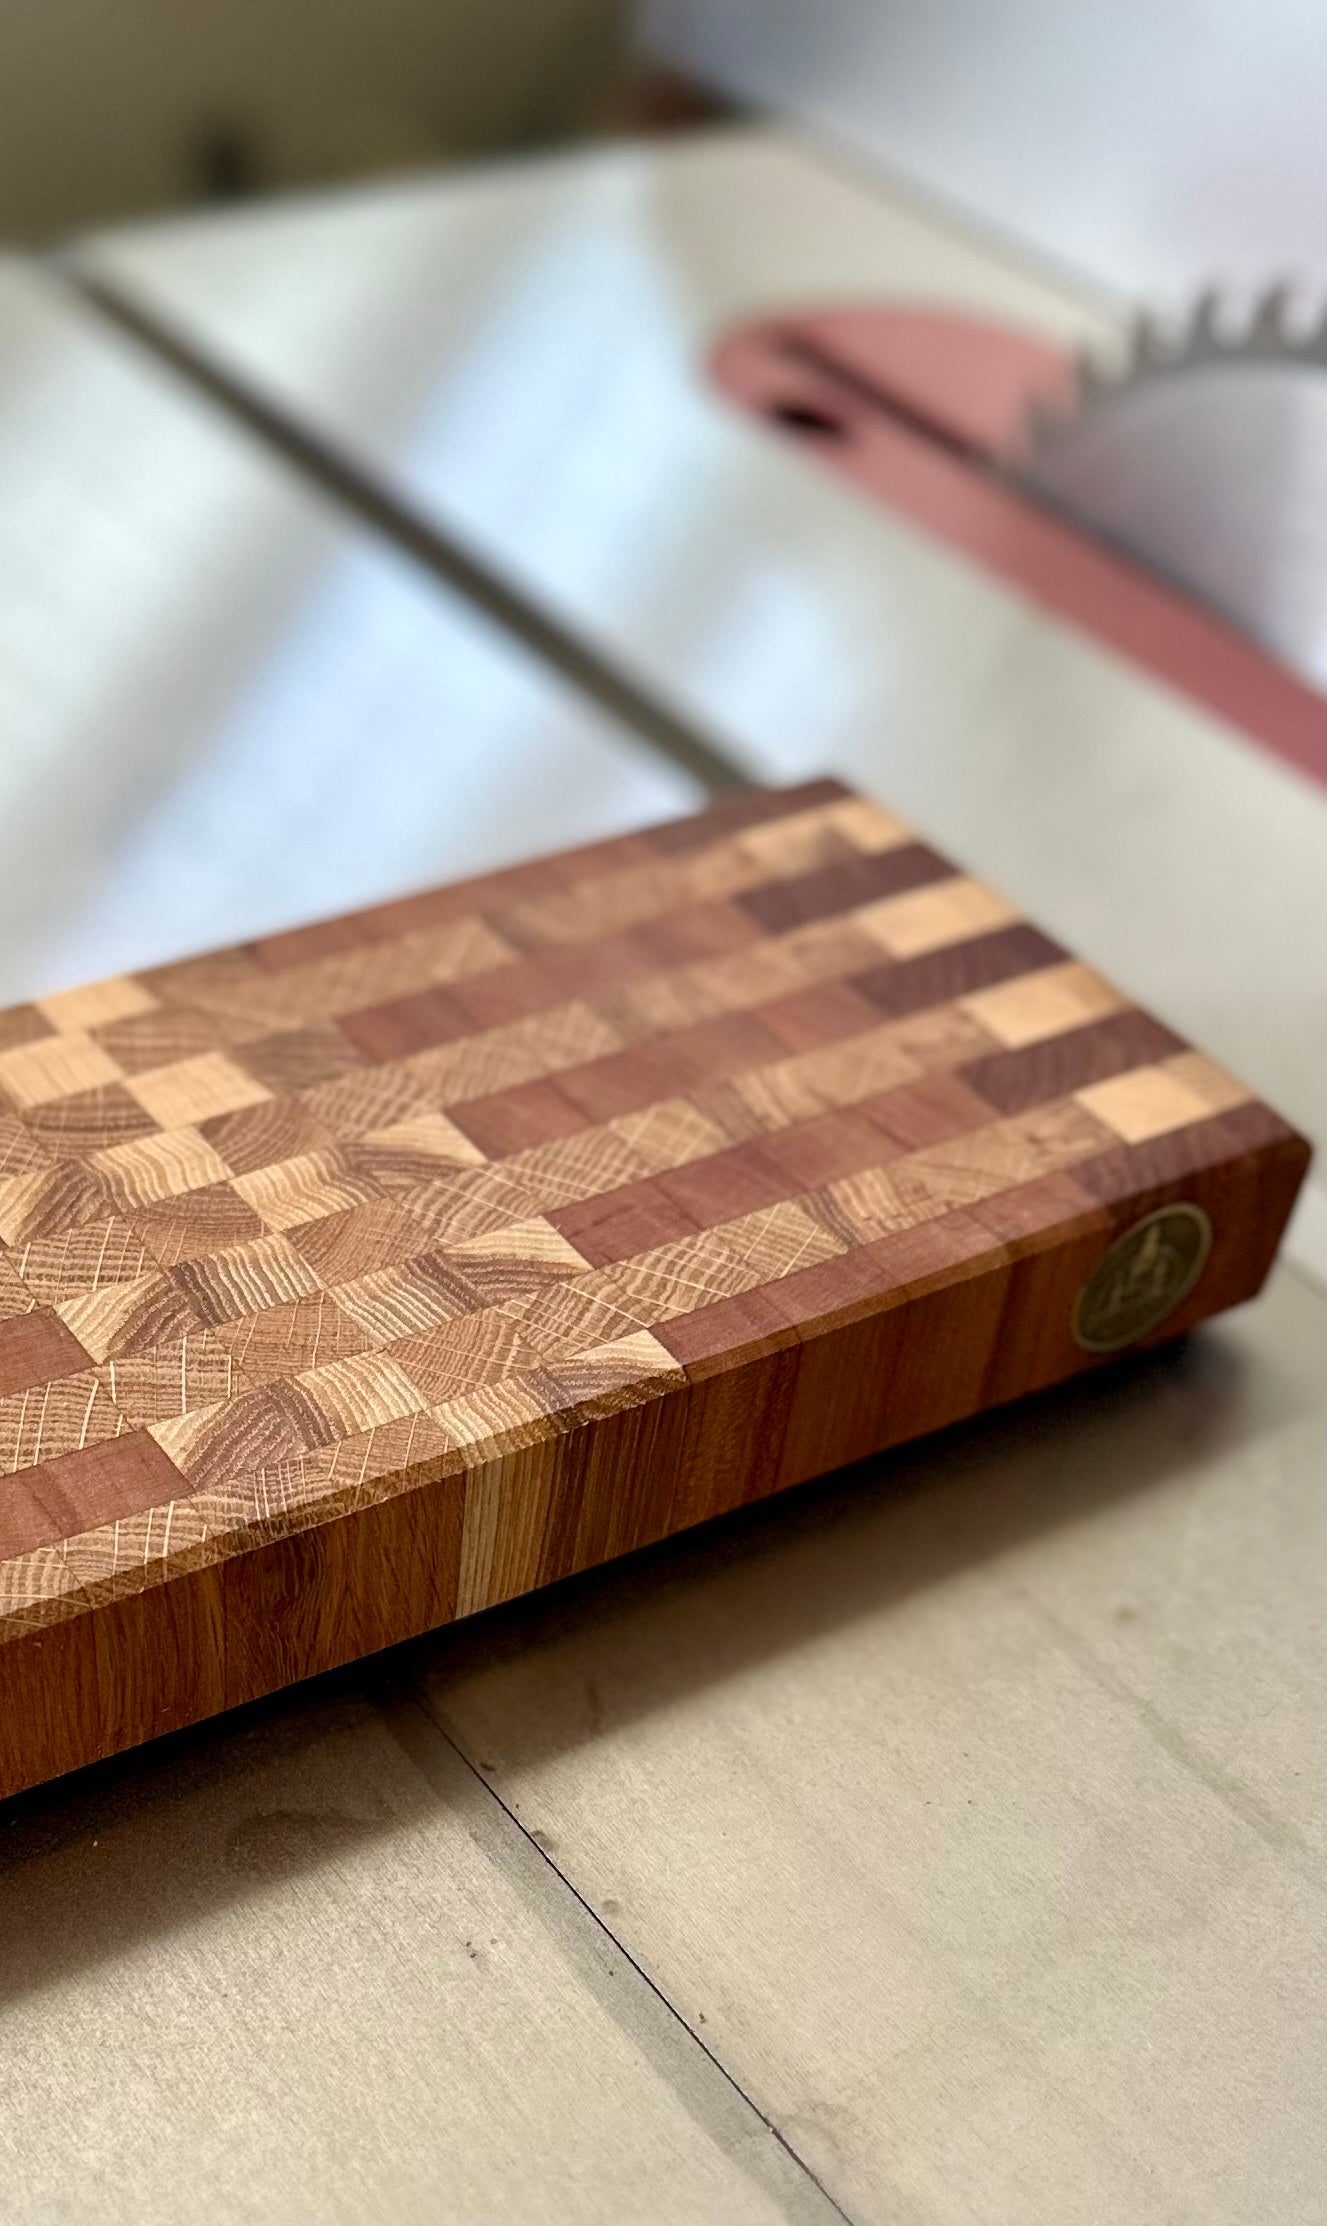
[[436, 1258]]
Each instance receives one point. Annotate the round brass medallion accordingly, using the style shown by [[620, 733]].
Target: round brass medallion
[[1143, 1278]]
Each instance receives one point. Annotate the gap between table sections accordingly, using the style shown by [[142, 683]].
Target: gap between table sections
[[651, 2020], [442, 554]]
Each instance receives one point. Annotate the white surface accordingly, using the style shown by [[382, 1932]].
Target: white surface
[[522, 354], [224, 709], [299, 1970], [973, 1801], [1153, 146]]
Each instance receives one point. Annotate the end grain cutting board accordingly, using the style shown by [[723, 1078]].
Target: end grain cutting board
[[375, 1272]]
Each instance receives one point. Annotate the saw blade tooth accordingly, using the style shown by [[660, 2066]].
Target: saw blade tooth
[[1239, 534], [1086, 379], [1268, 328], [1142, 340], [1155, 347], [1059, 403], [1314, 344], [1043, 416], [1049, 410], [1202, 340]]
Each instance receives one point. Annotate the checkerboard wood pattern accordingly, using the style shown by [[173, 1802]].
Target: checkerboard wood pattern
[[372, 1273]]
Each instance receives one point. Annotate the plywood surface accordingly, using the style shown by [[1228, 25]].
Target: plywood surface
[[369, 1274]]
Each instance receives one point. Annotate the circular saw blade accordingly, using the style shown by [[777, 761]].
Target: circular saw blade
[[1204, 455]]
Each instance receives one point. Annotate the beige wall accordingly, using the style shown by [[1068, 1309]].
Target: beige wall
[[107, 106]]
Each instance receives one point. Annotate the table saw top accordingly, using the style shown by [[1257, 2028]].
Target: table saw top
[[939, 1842]]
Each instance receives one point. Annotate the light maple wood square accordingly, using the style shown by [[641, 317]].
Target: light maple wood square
[[362, 1391], [195, 1223], [160, 1166], [47, 1200], [567, 1319], [72, 1010], [566, 1169], [21, 1151], [668, 1134], [89, 1121], [196, 1089], [54, 1067], [866, 824], [306, 1188], [85, 1258], [174, 1379], [460, 1355], [927, 919], [1219, 1090], [288, 1340], [774, 1241], [1149, 1101], [606, 1375], [1043, 1004], [507, 1263], [426, 1139], [534, 1243], [123, 1319], [404, 1301], [15, 1297], [267, 1271], [216, 1445]]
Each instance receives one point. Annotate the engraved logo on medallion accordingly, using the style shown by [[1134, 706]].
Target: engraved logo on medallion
[[1143, 1278]]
